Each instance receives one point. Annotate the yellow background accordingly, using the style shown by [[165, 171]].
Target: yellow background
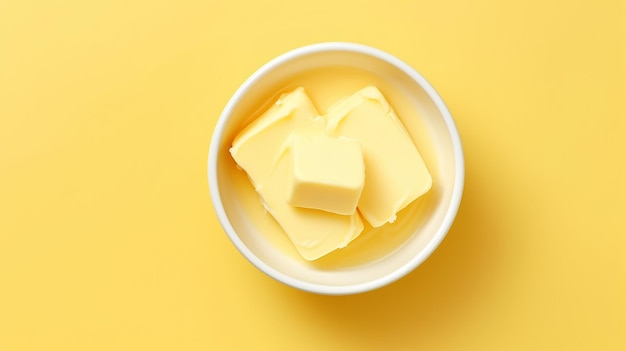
[[108, 240]]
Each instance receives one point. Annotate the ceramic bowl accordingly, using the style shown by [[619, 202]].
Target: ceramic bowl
[[377, 257]]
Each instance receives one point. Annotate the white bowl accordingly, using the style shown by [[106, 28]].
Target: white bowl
[[379, 257]]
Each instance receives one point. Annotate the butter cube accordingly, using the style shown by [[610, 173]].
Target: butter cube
[[314, 233], [263, 151], [328, 174], [395, 173]]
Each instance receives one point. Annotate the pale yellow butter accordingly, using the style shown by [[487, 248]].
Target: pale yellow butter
[[257, 148], [263, 150], [395, 173], [328, 174], [314, 233]]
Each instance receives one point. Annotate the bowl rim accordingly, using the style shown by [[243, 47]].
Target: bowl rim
[[407, 267]]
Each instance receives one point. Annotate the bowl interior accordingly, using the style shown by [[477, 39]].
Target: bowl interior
[[378, 256]]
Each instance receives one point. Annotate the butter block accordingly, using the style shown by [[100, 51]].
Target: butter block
[[263, 151], [257, 148], [314, 233], [328, 174], [395, 173]]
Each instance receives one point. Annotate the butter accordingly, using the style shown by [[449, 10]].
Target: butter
[[264, 151], [314, 233], [395, 173], [328, 174], [257, 148]]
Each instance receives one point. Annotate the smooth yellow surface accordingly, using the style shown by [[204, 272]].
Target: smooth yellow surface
[[328, 174], [395, 173], [107, 236], [259, 146]]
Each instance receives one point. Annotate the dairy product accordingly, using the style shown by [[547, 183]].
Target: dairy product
[[264, 151], [328, 174], [325, 86], [311, 171], [395, 173], [257, 147], [314, 233]]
